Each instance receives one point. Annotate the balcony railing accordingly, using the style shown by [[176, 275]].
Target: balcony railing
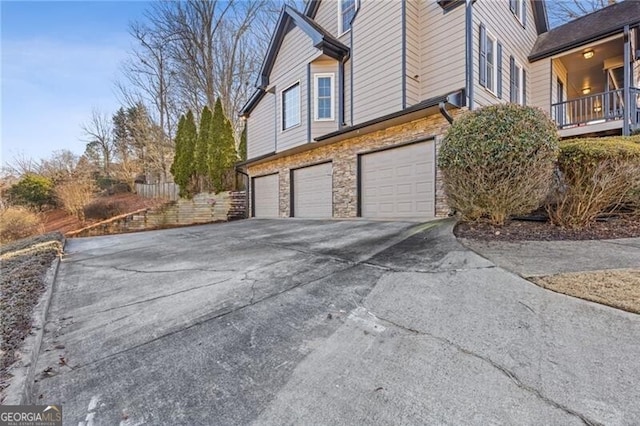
[[597, 108]]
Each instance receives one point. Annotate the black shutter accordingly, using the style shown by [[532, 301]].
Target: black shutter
[[524, 87], [512, 80], [483, 56], [499, 70]]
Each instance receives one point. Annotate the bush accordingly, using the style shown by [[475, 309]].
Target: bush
[[17, 223], [102, 209], [32, 191], [597, 176], [75, 195], [498, 161]]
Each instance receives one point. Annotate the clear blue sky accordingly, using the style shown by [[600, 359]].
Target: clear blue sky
[[59, 60]]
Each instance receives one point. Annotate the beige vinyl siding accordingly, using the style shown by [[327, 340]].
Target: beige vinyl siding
[[327, 16], [261, 127], [412, 19], [377, 59], [516, 41], [319, 128], [442, 45], [540, 80], [290, 67]]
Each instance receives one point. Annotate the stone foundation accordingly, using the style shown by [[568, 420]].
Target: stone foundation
[[344, 155]]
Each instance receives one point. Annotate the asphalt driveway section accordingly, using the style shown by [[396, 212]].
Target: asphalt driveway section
[[325, 322], [199, 325]]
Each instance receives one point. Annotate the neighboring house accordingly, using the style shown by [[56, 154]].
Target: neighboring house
[[354, 97]]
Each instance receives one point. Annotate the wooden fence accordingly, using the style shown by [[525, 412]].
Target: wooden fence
[[168, 191]]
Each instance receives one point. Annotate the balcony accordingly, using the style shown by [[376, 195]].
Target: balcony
[[600, 113]]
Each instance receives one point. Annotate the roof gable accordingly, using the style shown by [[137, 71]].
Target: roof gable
[[321, 39], [586, 29]]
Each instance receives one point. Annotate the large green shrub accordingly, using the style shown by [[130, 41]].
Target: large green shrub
[[597, 176], [33, 191], [498, 161]]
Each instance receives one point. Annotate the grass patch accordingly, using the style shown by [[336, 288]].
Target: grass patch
[[619, 288], [23, 267]]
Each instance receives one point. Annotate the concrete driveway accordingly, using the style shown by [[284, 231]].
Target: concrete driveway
[[324, 322]]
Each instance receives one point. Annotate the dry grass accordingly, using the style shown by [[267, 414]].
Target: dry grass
[[619, 288], [75, 195], [18, 222]]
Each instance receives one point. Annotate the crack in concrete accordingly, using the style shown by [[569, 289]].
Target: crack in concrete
[[206, 319], [167, 271], [151, 299], [504, 370]]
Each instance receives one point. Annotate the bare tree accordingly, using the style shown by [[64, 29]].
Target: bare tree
[[562, 11], [148, 71], [21, 165], [60, 165], [99, 138]]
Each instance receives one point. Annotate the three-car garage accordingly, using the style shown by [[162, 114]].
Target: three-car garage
[[391, 183]]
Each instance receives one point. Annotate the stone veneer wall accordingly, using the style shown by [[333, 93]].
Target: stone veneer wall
[[344, 156]]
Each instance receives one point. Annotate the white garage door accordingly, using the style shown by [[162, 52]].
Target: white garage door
[[313, 191], [398, 182], [265, 196]]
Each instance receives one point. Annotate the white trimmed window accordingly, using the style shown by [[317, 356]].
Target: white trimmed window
[[490, 62], [323, 94], [346, 12], [518, 83], [291, 106], [518, 9]]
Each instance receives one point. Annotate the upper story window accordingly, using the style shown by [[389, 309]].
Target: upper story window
[[490, 62], [323, 97], [518, 82], [519, 9], [347, 10], [291, 107]]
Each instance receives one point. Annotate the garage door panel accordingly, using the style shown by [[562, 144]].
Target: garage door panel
[[266, 196], [398, 182], [313, 191]]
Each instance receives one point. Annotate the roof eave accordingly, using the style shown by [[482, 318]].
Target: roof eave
[[575, 44]]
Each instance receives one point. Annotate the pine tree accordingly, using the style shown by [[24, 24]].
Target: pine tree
[[177, 168], [223, 153], [203, 147], [190, 141], [242, 147]]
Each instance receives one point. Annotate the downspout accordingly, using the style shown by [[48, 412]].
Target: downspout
[[469, 55], [443, 110], [404, 54], [309, 103], [626, 130], [341, 122], [275, 115], [351, 58]]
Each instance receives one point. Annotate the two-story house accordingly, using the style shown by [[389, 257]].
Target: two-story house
[[354, 97]]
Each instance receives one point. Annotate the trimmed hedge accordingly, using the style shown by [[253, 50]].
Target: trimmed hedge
[[598, 175], [498, 161]]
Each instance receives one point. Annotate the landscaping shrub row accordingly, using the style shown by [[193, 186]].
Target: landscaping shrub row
[[506, 160]]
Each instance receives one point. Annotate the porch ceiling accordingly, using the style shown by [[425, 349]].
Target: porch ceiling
[[583, 72]]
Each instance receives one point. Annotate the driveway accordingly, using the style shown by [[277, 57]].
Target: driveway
[[324, 322]]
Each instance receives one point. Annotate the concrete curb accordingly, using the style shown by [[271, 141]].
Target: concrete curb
[[24, 370]]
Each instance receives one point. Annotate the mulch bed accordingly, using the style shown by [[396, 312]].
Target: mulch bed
[[528, 230], [23, 267]]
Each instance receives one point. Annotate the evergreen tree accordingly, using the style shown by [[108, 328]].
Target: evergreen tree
[[223, 153], [242, 148], [203, 147], [177, 167], [183, 168]]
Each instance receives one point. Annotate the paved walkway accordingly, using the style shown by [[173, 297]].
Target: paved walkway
[[535, 258]]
